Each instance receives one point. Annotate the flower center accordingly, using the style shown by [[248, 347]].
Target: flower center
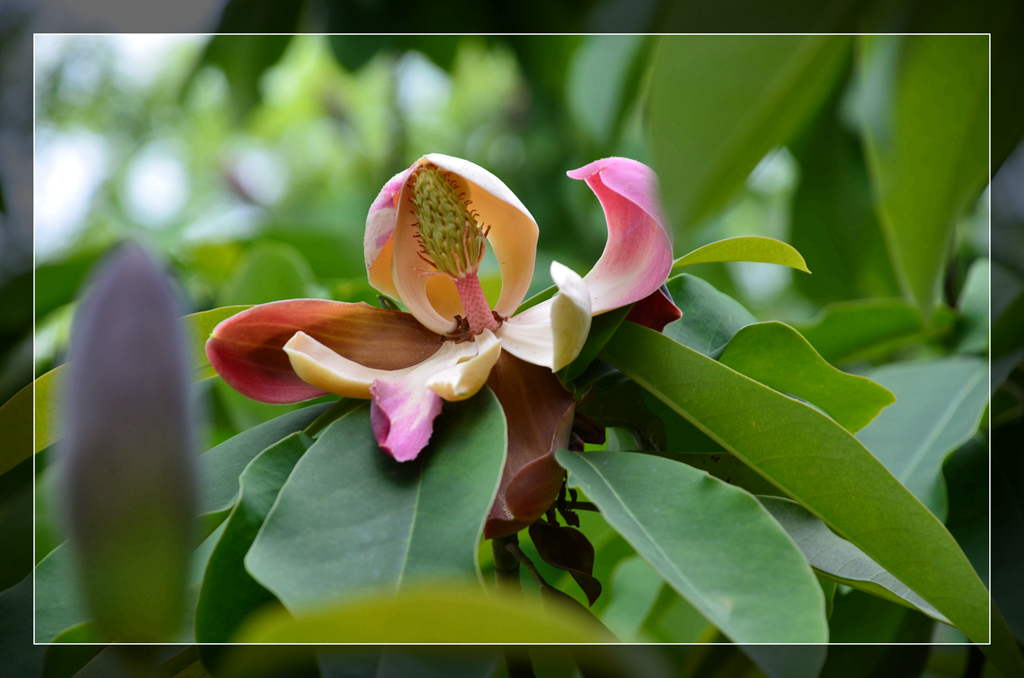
[[453, 243]]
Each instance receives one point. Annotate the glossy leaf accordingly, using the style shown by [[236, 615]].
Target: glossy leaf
[[753, 248], [839, 560], [719, 104], [221, 466], [710, 318], [267, 272], [228, 593], [939, 405], [775, 354], [350, 518], [846, 332], [923, 115], [440, 612], [816, 462], [634, 589], [711, 542]]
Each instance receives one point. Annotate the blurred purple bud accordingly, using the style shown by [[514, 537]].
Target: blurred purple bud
[[130, 466]]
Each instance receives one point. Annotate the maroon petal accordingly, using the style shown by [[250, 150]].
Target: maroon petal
[[247, 349], [655, 310], [539, 412]]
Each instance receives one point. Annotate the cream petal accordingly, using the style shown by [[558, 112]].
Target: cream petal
[[321, 367], [513, 235], [512, 240], [468, 376], [380, 226], [553, 332]]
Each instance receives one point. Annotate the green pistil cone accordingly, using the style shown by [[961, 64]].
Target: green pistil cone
[[446, 225]]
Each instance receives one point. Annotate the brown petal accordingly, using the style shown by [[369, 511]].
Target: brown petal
[[539, 412], [247, 349]]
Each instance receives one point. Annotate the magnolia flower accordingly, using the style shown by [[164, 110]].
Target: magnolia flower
[[426, 234]]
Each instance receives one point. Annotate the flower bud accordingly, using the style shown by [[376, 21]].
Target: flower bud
[[129, 454]]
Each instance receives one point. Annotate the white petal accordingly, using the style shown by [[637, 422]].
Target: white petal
[[553, 332]]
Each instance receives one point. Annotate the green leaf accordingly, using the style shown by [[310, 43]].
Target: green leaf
[[834, 224], [269, 271], [787, 661], [221, 466], [775, 354], [713, 543], [841, 561], [49, 387], [939, 404], [710, 318], [816, 462], [601, 329], [924, 117], [850, 331], [59, 605], [719, 104], [228, 593], [634, 590], [600, 73], [441, 612], [970, 335], [745, 248], [350, 518], [21, 656]]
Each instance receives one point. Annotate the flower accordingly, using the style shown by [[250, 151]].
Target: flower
[[426, 234]]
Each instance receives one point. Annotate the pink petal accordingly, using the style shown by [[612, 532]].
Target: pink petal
[[638, 256], [403, 414], [247, 350], [539, 411], [655, 310]]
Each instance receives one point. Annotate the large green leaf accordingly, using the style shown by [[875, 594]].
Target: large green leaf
[[49, 388], [719, 104], [221, 466], [350, 518], [713, 543], [924, 117], [775, 354], [745, 248], [816, 462], [710, 318], [848, 331], [634, 590], [439, 612], [600, 74], [839, 560], [939, 404], [228, 593]]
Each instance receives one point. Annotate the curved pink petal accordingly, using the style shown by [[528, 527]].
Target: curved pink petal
[[403, 414], [655, 310], [539, 411], [247, 349], [638, 256]]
